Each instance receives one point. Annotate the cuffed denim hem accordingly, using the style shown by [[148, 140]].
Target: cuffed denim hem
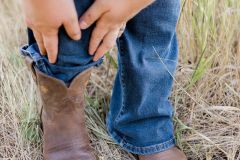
[[61, 72], [153, 149]]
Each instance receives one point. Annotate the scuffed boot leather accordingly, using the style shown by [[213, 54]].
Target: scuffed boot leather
[[171, 154], [65, 135]]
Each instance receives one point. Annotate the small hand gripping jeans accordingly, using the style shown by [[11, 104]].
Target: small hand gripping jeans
[[140, 116]]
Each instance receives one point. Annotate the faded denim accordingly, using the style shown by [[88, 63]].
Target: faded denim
[[140, 116]]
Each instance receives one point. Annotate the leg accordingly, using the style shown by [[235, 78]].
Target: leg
[[140, 116], [73, 56], [64, 131]]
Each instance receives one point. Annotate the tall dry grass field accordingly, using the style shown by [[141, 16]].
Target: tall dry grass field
[[206, 94]]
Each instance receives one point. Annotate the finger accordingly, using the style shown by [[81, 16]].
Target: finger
[[39, 39], [51, 44], [108, 43], [72, 28], [96, 38], [91, 15]]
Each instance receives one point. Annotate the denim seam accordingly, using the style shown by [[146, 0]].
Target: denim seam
[[122, 109]]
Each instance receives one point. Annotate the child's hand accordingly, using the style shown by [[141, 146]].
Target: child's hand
[[110, 15], [45, 17]]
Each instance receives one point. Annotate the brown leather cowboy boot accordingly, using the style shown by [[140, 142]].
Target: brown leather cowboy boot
[[65, 135], [171, 154]]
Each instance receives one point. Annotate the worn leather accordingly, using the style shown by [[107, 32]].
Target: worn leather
[[171, 154], [65, 135]]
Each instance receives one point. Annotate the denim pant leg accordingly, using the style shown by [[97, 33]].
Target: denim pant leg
[[140, 116], [73, 56]]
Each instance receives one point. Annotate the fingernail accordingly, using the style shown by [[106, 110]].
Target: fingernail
[[83, 25], [91, 52], [77, 37], [52, 61]]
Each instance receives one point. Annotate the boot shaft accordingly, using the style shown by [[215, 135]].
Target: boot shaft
[[64, 131]]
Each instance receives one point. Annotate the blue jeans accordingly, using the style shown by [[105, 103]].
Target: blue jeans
[[140, 116]]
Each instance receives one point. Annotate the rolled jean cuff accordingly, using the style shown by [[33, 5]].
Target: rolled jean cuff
[[63, 72], [146, 150]]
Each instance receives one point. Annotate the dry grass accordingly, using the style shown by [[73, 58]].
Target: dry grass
[[206, 94]]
